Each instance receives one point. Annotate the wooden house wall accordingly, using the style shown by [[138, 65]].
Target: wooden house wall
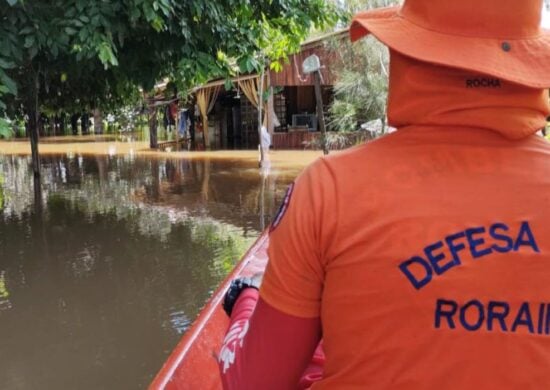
[[292, 75], [294, 140], [300, 100]]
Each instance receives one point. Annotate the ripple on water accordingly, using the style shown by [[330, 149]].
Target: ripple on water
[[178, 321], [84, 263]]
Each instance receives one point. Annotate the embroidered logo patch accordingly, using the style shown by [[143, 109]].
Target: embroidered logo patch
[[282, 210]]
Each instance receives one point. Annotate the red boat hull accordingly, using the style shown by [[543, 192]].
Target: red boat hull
[[193, 364]]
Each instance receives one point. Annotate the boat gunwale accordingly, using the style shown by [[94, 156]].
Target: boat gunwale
[[183, 347]]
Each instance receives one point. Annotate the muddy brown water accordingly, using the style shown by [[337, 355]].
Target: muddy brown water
[[105, 271]]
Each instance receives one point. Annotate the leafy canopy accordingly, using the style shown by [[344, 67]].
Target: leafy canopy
[[361, 75], [94, 52]]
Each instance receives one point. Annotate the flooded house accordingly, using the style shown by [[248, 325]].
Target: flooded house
[[228, 118]]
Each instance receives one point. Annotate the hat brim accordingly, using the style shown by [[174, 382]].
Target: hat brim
[[527, 62]]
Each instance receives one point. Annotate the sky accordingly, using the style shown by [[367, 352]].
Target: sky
[[545, 18]]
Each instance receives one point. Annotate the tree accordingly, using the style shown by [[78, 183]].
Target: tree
[[362, 79], [361, 86], [83, 52], [351, 7]]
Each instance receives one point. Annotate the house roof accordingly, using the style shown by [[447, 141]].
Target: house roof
[[218, 82], [290, 74], [318, 40]]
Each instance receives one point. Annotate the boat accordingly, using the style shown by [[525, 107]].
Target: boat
[[193, 364]]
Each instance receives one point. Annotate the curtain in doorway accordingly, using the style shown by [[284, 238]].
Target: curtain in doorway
[[250, 89], [206, 98]]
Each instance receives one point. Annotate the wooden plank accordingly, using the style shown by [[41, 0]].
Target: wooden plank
[[293, 140], [291, 75]]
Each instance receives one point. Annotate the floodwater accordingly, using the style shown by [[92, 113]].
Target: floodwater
[[104, 269]]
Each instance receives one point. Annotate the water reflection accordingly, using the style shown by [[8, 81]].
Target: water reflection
[[100, 280], [121, 137], [5, 303]]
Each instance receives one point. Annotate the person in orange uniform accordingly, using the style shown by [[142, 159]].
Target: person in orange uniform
[[421, 259]]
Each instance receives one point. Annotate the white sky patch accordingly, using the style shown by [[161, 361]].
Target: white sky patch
[[545, 17]]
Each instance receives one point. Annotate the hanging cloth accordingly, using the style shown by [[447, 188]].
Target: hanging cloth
[[166, 118], [206, 98], [250, 89], [182, 127]]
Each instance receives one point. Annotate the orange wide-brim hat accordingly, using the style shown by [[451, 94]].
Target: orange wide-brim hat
[[502, 38]]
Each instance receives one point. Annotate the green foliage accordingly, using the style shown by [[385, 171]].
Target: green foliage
[[276, 42], [343, 115], [1, 193], [5, 128], [362, 81], [361, 89], [7, 87], [126, 118], [338, 140], [4, 293], [90, 53]]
